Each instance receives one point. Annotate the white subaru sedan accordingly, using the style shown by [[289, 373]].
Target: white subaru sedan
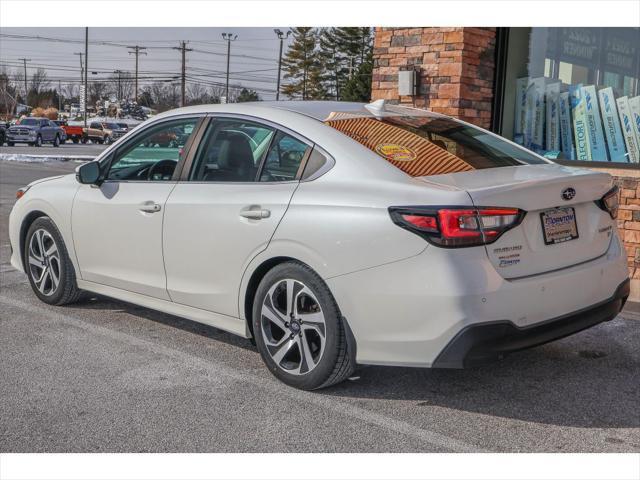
[[332, 234]]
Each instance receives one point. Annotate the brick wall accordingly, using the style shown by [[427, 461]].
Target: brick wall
[[455, 69], [629, 223]]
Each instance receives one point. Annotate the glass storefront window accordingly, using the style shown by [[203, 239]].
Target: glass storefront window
[[574, 93]]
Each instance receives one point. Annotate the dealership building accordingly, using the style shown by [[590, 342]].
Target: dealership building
[[537, 86]]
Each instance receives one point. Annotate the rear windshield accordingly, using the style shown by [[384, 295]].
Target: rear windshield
[[431, 145]]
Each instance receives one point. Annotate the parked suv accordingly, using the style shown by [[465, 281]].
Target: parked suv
[[35, 131]]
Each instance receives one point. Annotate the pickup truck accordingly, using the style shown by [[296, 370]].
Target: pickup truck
[[35, 131], [73, 132], [103, 132]]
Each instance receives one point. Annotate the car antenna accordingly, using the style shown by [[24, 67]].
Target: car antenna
[[377, 108]]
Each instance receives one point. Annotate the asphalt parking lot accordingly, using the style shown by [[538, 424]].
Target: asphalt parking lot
[[104, 375]]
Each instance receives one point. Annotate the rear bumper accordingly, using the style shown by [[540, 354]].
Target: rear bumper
[[482, 343], [407, 313]]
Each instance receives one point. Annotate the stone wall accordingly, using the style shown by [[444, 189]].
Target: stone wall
[[455, 68], [629, 223]]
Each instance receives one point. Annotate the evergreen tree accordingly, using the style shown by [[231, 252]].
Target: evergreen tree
[[329, 53], [302, 66], [247, 95], [346, 59], [358, 87]]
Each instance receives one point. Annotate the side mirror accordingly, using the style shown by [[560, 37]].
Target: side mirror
[[89, 173]]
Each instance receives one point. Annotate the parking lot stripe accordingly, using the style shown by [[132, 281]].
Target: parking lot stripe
[[339, 407]]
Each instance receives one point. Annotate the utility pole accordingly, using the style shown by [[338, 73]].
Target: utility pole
[[86, 71], [119, 72], [351, 58], [282, 36], [59, 96], [183, 48], [229, 37], [26, 92], [137, 51]]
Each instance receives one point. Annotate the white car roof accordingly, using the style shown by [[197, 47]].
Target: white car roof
[[318, 110]]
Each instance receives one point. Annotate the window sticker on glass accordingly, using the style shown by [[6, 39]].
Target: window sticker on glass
[[398, 153]]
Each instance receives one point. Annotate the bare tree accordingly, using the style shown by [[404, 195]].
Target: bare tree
[[39, 81], [98, 90], [70, 90], [196, 94], [127, 85]]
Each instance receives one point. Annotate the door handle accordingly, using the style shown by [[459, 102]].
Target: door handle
[[150, 207], [257, 214]]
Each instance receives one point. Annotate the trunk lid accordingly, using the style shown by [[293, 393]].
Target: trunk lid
[[536, 189]]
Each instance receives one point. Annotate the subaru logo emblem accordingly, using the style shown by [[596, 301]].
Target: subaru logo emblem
[[568, 193]]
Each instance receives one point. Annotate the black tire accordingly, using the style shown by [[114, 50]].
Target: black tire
[[56, 141], [75, 140], [10, 144], [67, 290], [337, 362], [38, 142]]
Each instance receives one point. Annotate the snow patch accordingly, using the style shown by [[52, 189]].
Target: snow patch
[[25, 158]]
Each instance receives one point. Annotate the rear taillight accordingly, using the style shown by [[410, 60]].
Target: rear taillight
[[455, 226], [609, 202]]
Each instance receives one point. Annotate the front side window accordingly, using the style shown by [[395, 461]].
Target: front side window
[[231, 151], [154, 153]]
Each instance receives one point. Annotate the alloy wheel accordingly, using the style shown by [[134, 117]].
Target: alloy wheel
[[44, 262], [293, 327]]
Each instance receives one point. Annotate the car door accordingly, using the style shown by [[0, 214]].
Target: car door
[[45, 131], [227, 208], [117, 227]]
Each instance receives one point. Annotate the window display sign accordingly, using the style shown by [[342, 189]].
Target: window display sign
[[581, 97]]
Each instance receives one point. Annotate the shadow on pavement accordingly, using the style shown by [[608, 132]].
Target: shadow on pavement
[[586, 381]]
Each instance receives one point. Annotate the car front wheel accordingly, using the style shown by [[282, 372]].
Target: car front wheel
[[50, 271], [298, 329]]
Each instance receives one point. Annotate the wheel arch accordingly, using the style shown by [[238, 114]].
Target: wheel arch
[[252, 286], [28, 219]]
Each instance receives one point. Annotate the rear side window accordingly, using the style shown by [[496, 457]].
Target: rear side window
[[284, 159], [231, 151], [425, 145]]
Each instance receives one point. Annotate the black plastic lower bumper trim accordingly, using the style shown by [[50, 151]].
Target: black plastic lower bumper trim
[[486, 342]]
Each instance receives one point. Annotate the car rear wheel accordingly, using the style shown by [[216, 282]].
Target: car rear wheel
[[56, 141], [50, 271], [10, 144], [298, 329]]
